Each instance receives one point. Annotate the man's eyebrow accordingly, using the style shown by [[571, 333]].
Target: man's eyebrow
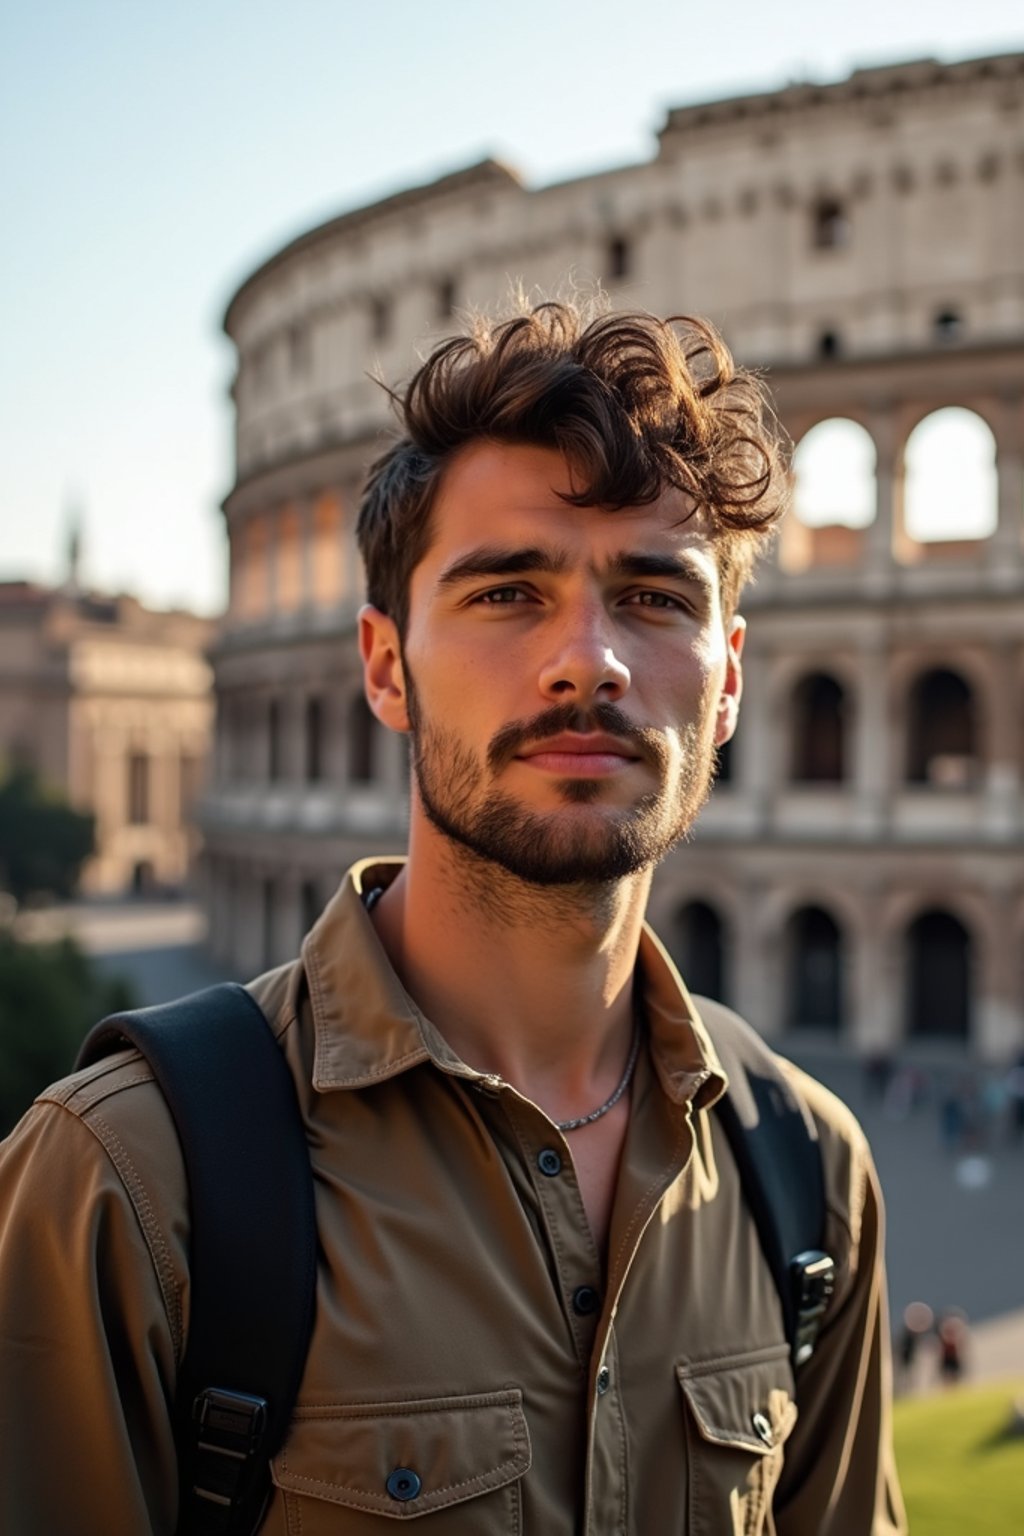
[[490, 560], [677, 567], [503, 560]]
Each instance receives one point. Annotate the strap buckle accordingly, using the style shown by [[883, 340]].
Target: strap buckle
[[229, 1430], [813, 1280]]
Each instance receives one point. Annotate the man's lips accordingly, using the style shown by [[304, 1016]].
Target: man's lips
[[573, 753]]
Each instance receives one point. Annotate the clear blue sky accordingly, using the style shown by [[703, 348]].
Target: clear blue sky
[[153, 154]]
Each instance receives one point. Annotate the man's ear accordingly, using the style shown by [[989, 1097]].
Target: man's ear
[[732, 684], [383, 675]]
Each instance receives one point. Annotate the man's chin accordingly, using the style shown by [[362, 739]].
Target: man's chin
[[571, 847]]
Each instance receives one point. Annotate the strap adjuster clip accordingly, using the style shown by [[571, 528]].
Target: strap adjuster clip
[[813, 1279], [229, 1429]]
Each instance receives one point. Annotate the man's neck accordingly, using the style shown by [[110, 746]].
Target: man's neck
[[531, 983]]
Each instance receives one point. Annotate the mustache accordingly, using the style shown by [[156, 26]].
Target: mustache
[[561, 718]]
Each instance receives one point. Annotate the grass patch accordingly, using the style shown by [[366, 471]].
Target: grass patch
[[961, 1474]]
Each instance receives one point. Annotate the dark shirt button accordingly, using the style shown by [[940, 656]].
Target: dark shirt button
[[403, 1484], [549, 1162], [604, 1377], [585, 1300]]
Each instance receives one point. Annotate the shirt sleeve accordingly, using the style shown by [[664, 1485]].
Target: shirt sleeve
[[87, 1344], [839, 1477]]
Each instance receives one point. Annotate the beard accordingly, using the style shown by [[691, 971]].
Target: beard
[[562, 847]]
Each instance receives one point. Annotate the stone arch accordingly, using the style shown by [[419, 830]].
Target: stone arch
[[943, 735], [834, 473], [939, 953], [328, 561], [950, 489], [818, 730], [702, 949], [288, 560], [255, 567], [815, 965]]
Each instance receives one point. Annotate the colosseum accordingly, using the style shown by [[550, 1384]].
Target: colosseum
[[857, 876]]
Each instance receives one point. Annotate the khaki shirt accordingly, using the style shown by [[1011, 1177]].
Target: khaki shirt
[[465, 1326]]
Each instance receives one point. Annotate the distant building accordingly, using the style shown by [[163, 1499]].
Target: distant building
[[113, 703], [859, 873]]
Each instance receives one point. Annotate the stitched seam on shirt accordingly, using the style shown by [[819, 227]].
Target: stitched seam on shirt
[[375, 1501], [82, 1098], [374, 1074], [582, 1337], [577, 1324], [148, 1225], [515, 1498], [623, 1470], [371, 1501], [720, 1363], [361, 1410], [636, 1223]]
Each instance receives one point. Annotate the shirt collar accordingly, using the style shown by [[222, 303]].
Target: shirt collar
[[367, 1028]]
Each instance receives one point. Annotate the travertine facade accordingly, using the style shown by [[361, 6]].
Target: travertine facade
[[113, 703], [859, 869]]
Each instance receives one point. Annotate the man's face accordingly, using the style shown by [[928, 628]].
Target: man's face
[[566, 672]]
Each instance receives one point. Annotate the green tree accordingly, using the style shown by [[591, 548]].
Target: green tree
[[50, 995], [43, 841]]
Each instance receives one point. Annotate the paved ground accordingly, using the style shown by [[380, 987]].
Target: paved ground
[[955, 1221]]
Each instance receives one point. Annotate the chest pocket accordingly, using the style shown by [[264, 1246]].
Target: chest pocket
[[453, 1463], [739, 1413]]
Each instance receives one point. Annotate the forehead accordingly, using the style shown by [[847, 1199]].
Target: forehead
[[512, 494]]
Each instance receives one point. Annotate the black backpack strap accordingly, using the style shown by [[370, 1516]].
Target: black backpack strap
[[775, 1144], [253, 1242]]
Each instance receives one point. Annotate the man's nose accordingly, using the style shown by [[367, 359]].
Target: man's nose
[[583, 666]]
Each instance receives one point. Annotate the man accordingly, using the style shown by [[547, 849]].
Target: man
[[541, 1303]]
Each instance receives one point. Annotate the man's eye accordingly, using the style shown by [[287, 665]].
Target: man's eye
[[655, 599], [501, 597]]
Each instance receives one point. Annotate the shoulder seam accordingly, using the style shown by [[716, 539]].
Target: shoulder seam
[[146, 1217]]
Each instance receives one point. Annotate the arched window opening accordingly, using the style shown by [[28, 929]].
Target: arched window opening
[[818, 739], [830, 225], [328, 571], [829, 344], [273, 741], [814, 952], [380, 318], [138, 789], [938, 977], [834, 470], [143, 877], [314, 740], [362, 741], [617, 260], [942, 732], [255, 566], [300, 350], [951, 490], [288, 561], [310, 904], [268, 922], [446, 298], [948, 326], [702, 950]]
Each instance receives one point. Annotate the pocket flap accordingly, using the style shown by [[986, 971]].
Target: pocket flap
[[744, 1402], [409, 1458]]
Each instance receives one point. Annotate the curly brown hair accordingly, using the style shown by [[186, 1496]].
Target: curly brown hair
[[636, 404]]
